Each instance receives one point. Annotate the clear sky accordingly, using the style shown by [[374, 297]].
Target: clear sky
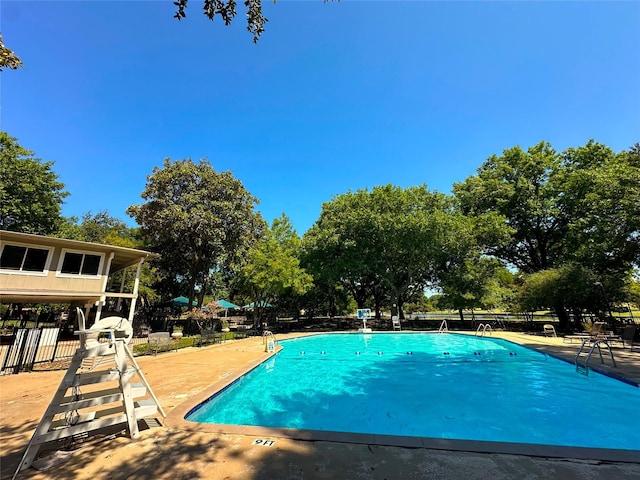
[[334, 97]]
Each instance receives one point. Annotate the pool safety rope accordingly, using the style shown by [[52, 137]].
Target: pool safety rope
[[380, 353]]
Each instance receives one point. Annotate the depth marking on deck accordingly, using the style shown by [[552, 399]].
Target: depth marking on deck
[[225, 375], [263, 443]]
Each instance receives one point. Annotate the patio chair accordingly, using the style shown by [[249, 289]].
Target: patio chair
[[395, 322], [549, 330]]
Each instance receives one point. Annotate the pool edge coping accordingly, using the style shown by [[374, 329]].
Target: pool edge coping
[[175, 419]]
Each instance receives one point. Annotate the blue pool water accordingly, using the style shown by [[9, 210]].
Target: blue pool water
[[430, 385]]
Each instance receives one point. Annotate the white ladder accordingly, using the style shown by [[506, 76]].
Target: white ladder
[[111, 398]]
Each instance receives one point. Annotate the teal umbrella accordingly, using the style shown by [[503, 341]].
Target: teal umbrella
[[182, 302], [226, 305]]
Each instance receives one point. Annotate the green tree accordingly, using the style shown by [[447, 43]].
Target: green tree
[[516, 185], [326, 298], [407, 226], [579, 207], [8, 59], [199, 220], [31, 196], [419, 303], [336, 249], [272, 267], [387, 243], [478, 282], [99, 228], [599, 195], [571, 285], [227, 11]]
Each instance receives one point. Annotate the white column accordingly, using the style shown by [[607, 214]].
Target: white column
[[103, 298], [136, 283], [124, 276]]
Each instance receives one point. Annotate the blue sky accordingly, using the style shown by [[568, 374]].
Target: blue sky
[[334, 97]]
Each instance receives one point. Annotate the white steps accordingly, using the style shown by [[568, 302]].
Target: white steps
[[111, 398]]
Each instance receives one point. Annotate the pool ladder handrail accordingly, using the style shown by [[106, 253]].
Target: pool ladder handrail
[[484, 327], [443, 327], [584, 369]]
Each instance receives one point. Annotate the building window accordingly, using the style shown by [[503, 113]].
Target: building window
[[77, 263], [23, 258]]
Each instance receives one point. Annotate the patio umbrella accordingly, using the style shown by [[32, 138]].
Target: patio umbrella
[[226, 305], [182, 302]]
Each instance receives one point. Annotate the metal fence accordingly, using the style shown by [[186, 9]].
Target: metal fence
[[31, 346]]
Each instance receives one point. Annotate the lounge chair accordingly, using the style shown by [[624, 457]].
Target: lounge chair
[[600, 333], [596, 333], [580, 337], [395, 322]]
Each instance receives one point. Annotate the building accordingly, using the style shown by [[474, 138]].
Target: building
[[39, 269]]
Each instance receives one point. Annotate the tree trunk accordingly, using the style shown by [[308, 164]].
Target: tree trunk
[[563, 317], [400, 307], [192, 294]]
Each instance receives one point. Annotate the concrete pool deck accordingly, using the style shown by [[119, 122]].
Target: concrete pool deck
[[180, 379]]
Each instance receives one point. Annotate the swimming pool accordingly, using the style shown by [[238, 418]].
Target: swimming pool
[[425, 385]]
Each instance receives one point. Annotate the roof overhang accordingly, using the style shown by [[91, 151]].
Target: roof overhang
[[123, 257], [56, 296]]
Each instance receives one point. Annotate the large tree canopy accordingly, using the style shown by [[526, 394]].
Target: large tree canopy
[[388, 242], [31, 196], [580, 208], [199, 220], [516, 185], [99, 228]]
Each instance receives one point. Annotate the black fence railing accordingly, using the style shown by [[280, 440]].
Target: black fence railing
[[28, 347]]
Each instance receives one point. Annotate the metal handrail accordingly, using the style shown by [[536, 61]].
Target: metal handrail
[[596, 343], [443, 327], [484, 327]]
